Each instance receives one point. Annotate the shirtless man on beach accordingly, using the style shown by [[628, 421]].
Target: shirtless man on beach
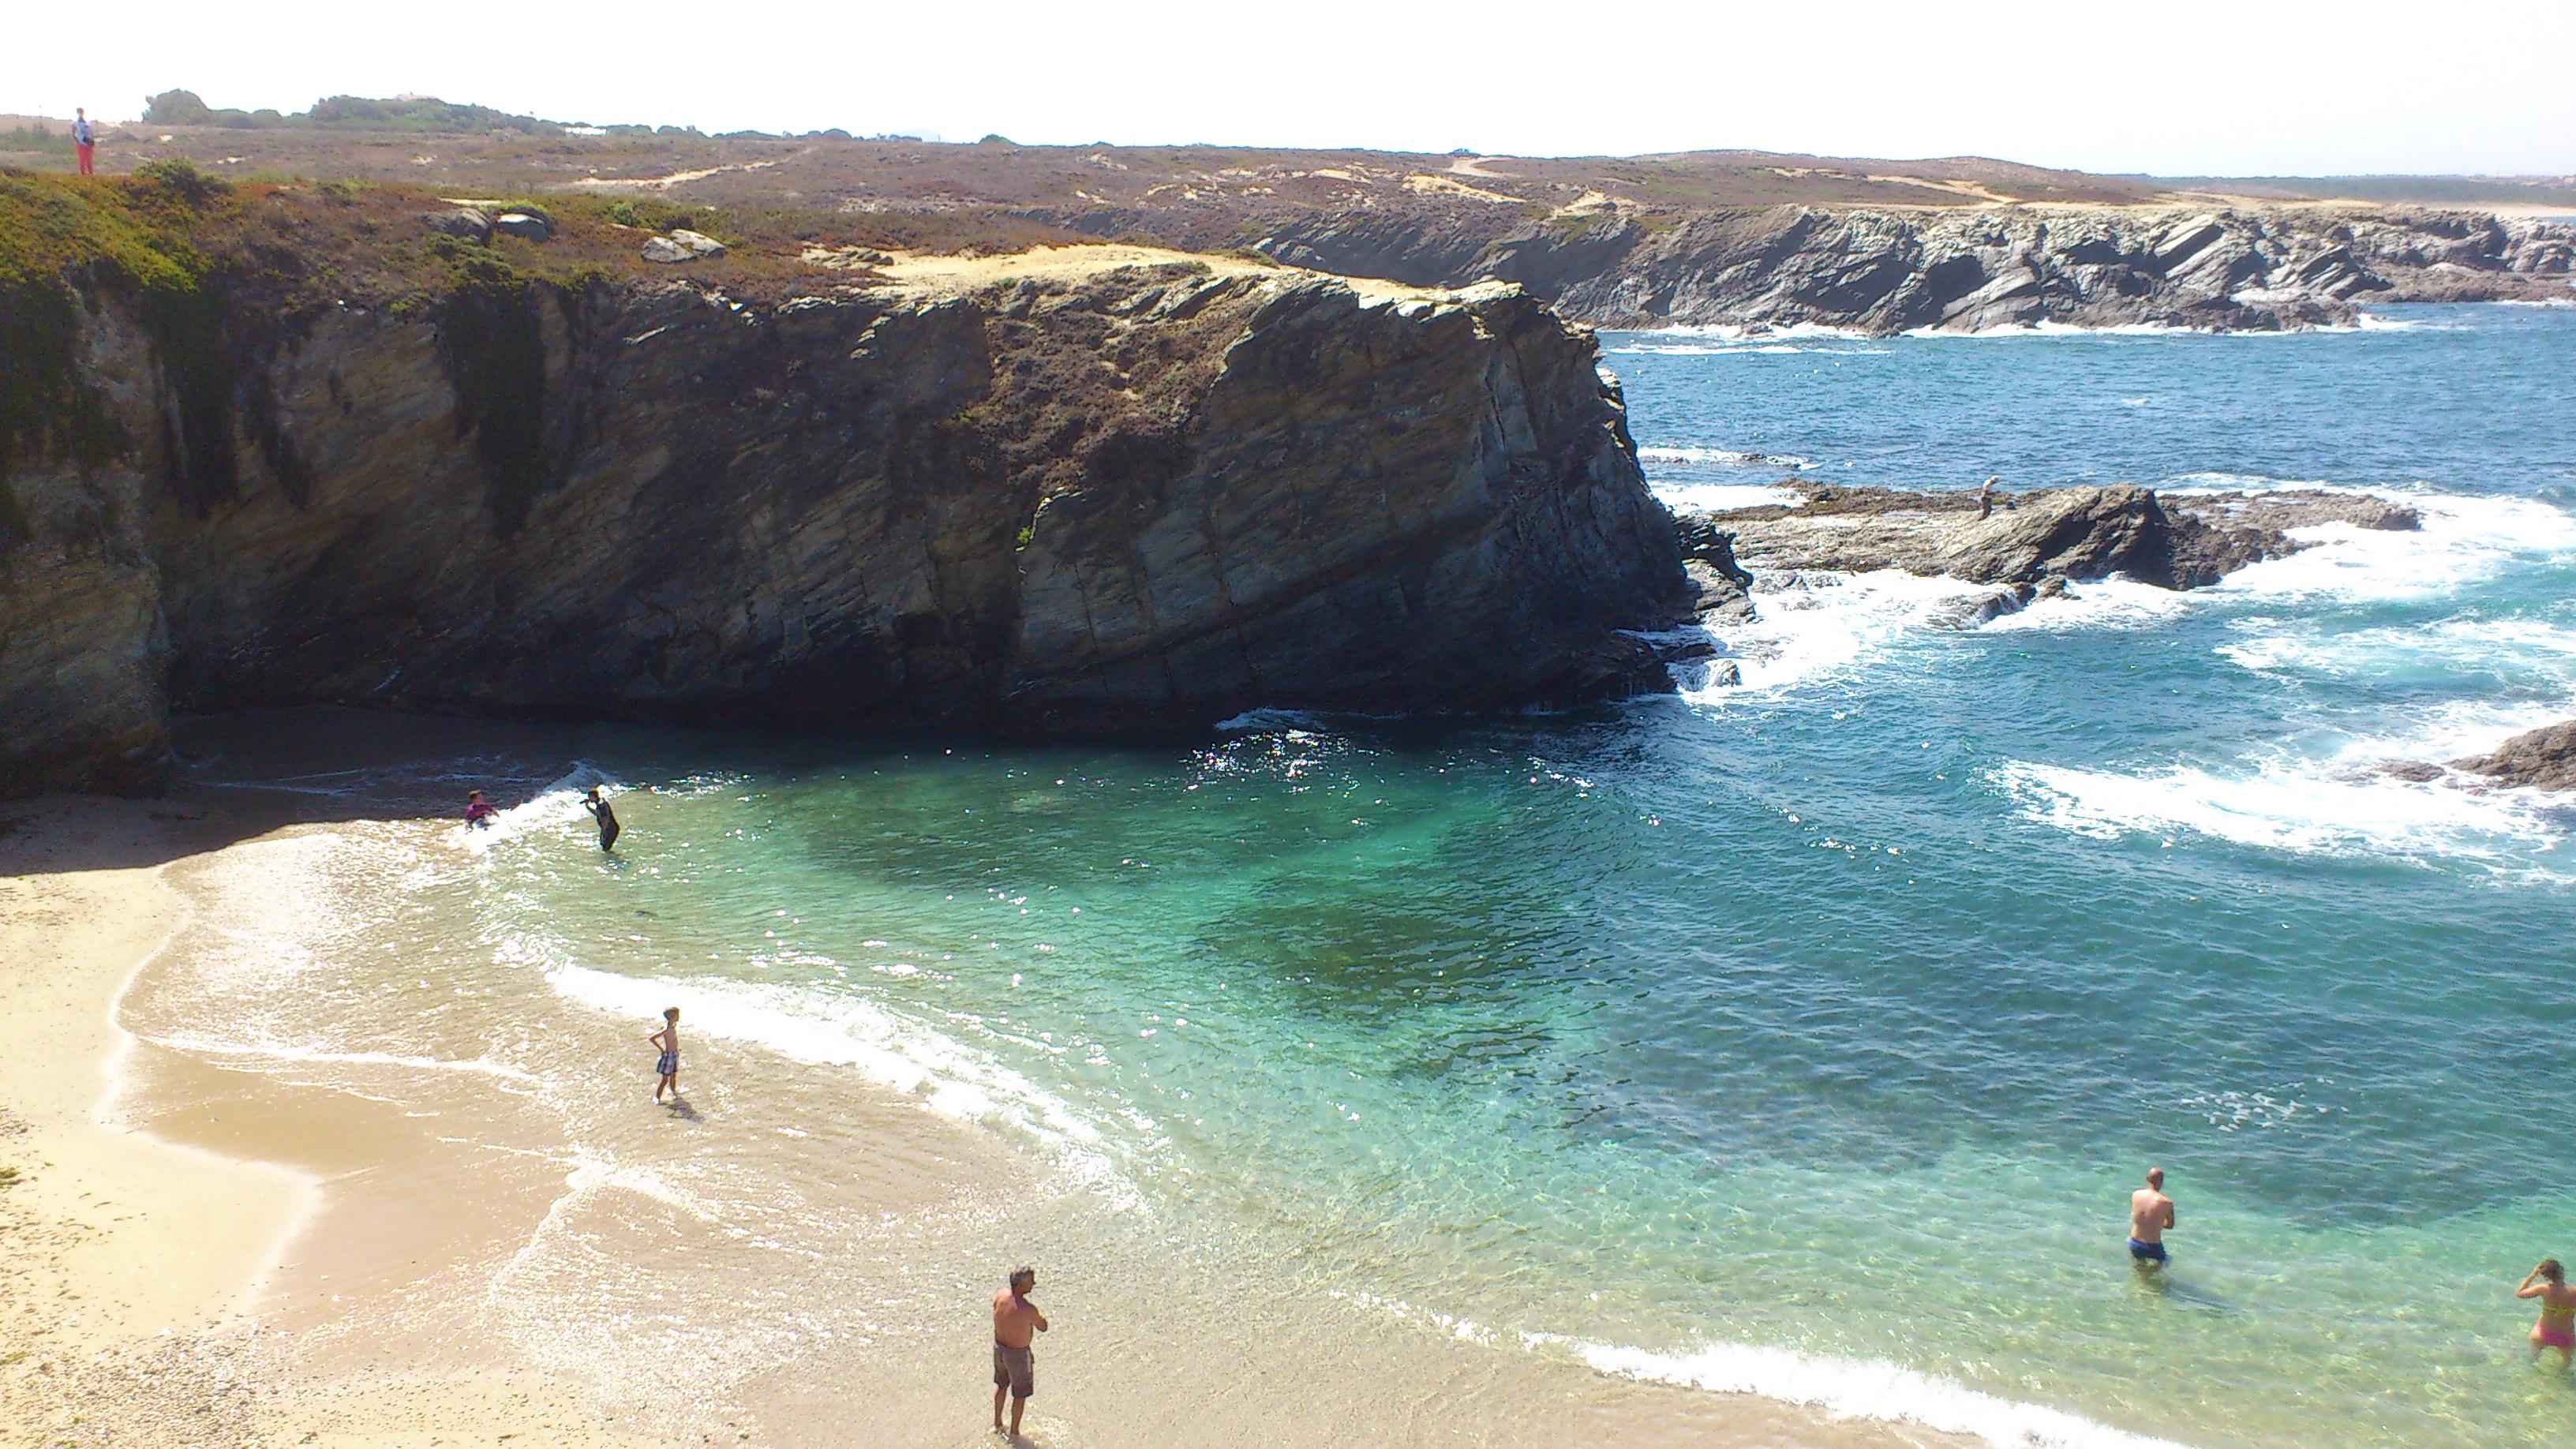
[[2150, 1213], [1015, 1318]]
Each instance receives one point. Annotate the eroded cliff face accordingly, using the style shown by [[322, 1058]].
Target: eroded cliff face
[[1143, 498], [1967, 269]]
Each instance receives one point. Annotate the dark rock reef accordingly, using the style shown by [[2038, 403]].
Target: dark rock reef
[[1134, 499], [2034, 544]]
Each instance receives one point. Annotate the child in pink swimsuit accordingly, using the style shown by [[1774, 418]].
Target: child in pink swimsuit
[[2557, 1326]]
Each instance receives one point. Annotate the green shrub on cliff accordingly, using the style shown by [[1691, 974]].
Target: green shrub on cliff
[[51, 232]]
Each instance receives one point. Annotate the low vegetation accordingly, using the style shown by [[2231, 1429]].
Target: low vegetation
[[217, 271]]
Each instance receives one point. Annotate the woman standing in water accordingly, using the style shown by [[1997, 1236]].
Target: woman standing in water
[[2557, 1326], [607, 818]]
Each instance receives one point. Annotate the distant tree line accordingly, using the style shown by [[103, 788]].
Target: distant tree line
[[342, 113], [423, 113]]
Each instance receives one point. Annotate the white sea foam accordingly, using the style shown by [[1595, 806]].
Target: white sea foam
[[2464, 539], [1856, 1389], [1812, 626], [2521, 650], [552, 808], [1702, 349], [1723, 497], [1763, 331], [2338, 803], [1729, 457], [888, 1047], [2112, 603], [1843, 1388]]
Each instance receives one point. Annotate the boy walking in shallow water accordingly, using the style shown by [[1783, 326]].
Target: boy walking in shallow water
[[668, 1064]]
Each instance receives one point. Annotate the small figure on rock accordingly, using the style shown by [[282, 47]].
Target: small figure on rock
[[84, 139], [1986, 498]]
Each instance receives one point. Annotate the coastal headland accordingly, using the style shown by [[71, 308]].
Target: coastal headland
[[1737, 239], [331, 459], [285, 445]]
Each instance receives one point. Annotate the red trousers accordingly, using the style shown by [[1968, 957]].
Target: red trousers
[[84, 148]]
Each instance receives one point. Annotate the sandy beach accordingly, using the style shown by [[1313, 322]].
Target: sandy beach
[[151, 1198], [221, 1236]]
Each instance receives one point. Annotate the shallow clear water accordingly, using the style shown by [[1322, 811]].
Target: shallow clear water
[[1803, 1037]]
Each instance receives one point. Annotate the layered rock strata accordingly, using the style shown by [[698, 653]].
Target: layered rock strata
[[1142, 498], [1961, 270]]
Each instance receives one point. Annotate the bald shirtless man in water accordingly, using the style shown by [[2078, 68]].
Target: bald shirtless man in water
[[2150, 1213], [1015, 1318]]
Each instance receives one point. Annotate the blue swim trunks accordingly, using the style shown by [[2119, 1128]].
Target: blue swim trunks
[[666, 1064], [2147, 1252]]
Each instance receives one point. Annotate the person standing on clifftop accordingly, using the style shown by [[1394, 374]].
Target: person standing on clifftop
[[1986, 499], [84, 138]]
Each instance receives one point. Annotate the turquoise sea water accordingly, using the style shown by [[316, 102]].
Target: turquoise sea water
[[1803, 1037]]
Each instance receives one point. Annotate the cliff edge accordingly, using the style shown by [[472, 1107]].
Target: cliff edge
[[1083, 491]]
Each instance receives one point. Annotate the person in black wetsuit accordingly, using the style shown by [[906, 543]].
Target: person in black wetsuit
[[606, 817]]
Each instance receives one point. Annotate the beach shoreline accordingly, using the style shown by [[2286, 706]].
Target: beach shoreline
[[157, 1198], [390, 1258]]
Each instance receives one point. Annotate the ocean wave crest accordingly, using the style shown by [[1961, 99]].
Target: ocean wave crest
[[1857, 1389]]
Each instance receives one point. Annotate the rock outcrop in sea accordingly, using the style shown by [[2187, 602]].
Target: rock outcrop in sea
[[2541, 759], [1960, 270], [2033, 544], [1138, 499]]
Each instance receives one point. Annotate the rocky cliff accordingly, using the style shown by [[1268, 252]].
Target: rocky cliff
[[1886, 271], [1064, 497]]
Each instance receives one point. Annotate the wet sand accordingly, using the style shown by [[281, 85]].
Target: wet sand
[[223, 1234]]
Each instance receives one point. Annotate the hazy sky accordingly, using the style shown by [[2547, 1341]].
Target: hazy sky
[[2174, 88]]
